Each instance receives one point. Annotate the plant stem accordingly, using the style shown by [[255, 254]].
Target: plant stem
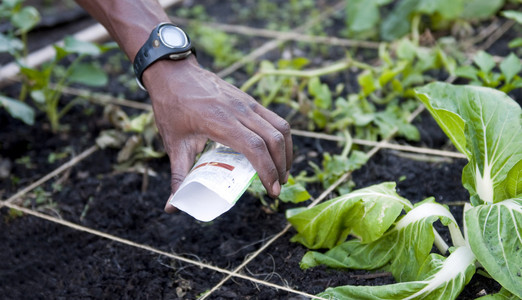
[[25, 48], [439, 242], [335, 67], [67, 107], [23, 91], [348, 145], [415, 22], [52, 103], [145, 180]]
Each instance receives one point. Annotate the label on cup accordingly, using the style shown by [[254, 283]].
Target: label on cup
[[215, 183]]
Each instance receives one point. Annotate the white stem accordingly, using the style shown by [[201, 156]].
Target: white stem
[[455, 265], [440, 243]]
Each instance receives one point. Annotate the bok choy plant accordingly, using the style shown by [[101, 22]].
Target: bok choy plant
[[392, 234]]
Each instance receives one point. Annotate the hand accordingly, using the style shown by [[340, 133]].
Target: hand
[[192, 105]]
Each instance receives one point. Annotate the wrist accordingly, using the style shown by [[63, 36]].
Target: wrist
[[164, 69]]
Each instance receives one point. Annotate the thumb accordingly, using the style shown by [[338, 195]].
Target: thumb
[[181, 162]]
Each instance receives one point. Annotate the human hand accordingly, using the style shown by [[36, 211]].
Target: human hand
[[192, 105]]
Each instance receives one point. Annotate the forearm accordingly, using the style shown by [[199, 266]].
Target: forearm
[[129, 22]]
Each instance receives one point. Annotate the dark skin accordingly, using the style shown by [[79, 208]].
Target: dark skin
[[192, 105]]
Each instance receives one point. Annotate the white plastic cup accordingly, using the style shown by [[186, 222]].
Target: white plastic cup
[[215, 183]]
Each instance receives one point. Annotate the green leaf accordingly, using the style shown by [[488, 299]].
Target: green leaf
[[107, 46], [406, 50], [38, 96], [139, 123], [447, 9], [26, 18], [397, 23], [515, 43], [297, 63], [148, 152], [319, 118], [445, 280], [389, 74], [409, 131], [363, 15], [337, 165], [480, 9], [72, 45], [513, 15], [60, 52], [467, 72], [293, 192], [510, 66], [10, 4], [18, 109], [495, 236], [10, 44], [351, 254], [321, 92], [514, 178], [485, 125], [88, 74], [402, 250], [367, 82], [39, 79], [328, 224], [484, 61]]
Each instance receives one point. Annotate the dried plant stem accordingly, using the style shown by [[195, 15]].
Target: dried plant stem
[[386, 145], [54, 173], [281, 35]]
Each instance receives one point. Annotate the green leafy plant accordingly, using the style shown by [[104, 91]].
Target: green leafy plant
[[20, 19], [219, 44], [384, 101], [276, 16], [335, 166], [364, 18], [517, 17], [293, 191], [483, 72], [47, 82], [18, 109], [485, 125]]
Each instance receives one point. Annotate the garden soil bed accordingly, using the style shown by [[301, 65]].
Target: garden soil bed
[[52, 261]]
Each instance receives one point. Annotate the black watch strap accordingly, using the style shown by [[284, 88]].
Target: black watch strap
[[154, 49]]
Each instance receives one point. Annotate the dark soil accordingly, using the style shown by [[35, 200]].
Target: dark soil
[[44, 260], [29, 149]]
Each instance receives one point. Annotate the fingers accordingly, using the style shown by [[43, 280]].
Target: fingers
[[181, 161], [255, 149], [274, 142], [268, 147], [284, 128]]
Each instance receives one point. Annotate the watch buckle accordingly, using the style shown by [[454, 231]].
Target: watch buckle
[[178, 56]]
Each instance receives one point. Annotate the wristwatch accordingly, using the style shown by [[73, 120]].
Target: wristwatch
[[166, 41]]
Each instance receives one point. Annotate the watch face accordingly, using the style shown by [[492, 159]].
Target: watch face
[[173, 37]]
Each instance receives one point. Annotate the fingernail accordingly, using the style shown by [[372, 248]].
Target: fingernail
[[286, 176], [276, 188]]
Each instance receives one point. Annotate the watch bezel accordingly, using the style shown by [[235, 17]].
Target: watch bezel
[[161, 36]]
